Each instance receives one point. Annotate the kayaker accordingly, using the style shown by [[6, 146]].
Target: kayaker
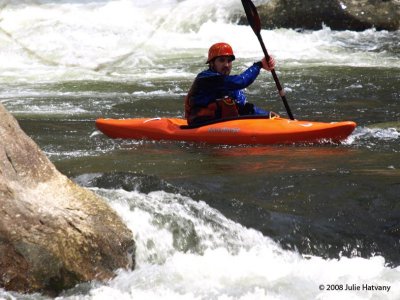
[[216, 94]]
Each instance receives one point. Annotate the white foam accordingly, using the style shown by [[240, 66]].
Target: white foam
[[91, 40], [374, 134], [229, 262]]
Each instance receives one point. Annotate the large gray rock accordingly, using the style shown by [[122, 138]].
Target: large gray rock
[[53, 233], [337, 14]]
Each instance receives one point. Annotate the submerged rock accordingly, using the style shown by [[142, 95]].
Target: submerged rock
[[53, 233], [336, 14]]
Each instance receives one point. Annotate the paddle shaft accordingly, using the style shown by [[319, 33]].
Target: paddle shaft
[[254, 20], [276, 79]]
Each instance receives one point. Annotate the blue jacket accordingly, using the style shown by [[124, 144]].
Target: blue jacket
[[210, 85]]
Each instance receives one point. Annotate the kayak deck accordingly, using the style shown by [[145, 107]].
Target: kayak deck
[[248, 130]]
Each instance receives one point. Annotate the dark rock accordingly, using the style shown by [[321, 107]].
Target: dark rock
[[336, 14]]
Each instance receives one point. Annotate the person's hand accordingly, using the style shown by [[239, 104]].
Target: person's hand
[[268, 65]]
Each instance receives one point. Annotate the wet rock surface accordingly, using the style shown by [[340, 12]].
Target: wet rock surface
[[53, 233]]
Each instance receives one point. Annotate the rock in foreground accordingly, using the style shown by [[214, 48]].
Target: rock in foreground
[[53, 233]]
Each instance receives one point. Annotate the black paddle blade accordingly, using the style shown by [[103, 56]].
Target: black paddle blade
[[252, 15], [254, 20]]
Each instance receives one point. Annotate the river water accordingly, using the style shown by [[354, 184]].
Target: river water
[[216, 222]]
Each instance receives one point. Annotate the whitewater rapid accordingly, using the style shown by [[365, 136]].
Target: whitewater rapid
[[75, 40], [188, 250]]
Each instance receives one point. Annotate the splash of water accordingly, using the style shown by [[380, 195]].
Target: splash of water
[[44, 40], [187, 250]]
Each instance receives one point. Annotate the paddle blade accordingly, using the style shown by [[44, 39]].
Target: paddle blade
[[252, 16]]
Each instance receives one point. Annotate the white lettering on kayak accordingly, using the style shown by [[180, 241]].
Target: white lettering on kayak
[[224, 130], [306, 125]]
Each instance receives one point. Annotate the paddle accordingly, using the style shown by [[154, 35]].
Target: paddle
[[254, 20]]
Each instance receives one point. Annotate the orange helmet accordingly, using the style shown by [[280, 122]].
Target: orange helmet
[[220, 49]]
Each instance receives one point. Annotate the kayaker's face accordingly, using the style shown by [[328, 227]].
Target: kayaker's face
[[222, 65]]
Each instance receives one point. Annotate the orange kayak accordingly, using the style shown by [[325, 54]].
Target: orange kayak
[[242, 130]]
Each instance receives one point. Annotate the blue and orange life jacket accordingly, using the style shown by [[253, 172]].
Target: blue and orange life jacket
[[209, 86]]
